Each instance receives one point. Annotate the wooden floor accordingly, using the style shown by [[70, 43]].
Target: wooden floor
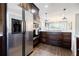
[[48, 50]]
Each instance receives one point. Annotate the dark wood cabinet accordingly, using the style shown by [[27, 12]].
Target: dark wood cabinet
[[77, 46], [2, 29], [62, 39], [43, 37], [66, 42], [67, 37], [51, 38], [35, 41], [1, 38]]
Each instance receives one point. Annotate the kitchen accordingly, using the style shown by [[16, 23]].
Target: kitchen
[[35, 28]]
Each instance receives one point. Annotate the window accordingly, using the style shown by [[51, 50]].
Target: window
[[62, 25]]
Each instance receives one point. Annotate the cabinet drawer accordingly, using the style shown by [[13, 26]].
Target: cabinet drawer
[[66, 40], [35, 42], [66, 45], [53, 42], [66, 33], [67, 37], [77, 53], [43, 39]]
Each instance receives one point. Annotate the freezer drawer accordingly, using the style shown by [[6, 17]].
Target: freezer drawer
[[28, 43], [15, 45]]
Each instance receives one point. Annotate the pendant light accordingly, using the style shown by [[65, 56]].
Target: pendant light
[[64, 14], [46, 18]]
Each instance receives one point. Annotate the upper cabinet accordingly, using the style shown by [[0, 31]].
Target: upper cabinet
[[35, 11], [36, 18], [26, 6]]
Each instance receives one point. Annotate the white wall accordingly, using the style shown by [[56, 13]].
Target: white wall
[[77, 24], [76, 27]]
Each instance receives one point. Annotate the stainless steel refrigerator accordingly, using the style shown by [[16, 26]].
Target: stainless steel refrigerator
[[28, 33], [15, 29]]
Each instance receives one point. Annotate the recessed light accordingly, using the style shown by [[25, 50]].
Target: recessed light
[[46, 6]]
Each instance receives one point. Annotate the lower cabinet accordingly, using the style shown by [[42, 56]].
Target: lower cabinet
[[1, 38], [66, 41], [66, 45], [77, 46], [35, 41], [62, 39]]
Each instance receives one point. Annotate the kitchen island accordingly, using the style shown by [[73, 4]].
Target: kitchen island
[[62, 39]]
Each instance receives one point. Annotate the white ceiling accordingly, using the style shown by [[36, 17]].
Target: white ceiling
[[56, 9]]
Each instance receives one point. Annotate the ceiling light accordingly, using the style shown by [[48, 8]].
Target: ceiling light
[[64, 14]]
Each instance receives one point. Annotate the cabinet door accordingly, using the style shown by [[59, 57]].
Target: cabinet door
[[77, 46], [1, 38], [43, 37], [66, 45], [66, 42], [2, 20]]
